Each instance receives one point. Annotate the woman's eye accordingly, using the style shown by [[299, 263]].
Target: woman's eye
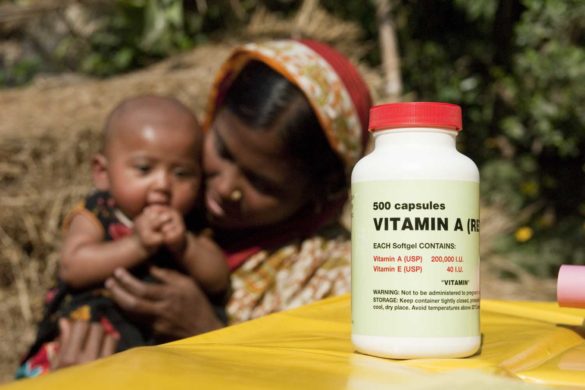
[[221, 149], [183, 173], [263, 186]]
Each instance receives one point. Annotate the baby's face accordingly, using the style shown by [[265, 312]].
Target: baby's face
[[154, 165]]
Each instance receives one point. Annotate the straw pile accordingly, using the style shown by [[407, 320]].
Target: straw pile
[[48, 132]]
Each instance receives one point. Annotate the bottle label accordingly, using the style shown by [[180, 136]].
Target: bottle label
[[415, 258]]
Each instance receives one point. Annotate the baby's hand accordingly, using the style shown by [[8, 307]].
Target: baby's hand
[[174, 232], [148, 228]]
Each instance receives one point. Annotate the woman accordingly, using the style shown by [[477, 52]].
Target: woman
[[286, 123]]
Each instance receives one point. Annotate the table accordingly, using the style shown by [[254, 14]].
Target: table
[[309, 347]]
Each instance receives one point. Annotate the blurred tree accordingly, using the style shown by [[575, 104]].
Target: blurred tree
[[517, 69]]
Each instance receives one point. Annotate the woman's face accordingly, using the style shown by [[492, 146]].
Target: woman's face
[[250, 180]]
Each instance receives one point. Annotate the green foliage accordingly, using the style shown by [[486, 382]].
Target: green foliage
[[516, 67], [135, 33], [131, 34], [20, 73], [547, 122]]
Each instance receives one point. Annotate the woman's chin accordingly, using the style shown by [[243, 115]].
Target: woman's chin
[[224, 222], [238, 223]]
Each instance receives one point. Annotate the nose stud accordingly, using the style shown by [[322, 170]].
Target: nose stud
[[236, 195]]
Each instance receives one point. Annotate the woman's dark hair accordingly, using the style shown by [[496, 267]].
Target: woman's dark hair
[[263, 99]]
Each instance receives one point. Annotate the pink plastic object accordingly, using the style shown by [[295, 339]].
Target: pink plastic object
[[571, 286]]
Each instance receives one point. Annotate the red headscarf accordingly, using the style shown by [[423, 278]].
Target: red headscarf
[[340, 99]]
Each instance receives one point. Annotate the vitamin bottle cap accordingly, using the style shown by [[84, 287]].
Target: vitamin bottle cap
[[415, 114]]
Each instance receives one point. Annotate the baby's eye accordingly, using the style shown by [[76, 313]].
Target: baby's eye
[[142, 168]]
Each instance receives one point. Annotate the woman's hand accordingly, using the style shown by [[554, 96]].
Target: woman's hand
[[176, 306], [82, 342]]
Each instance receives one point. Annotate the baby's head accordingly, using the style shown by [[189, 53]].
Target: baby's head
[[151, 154]]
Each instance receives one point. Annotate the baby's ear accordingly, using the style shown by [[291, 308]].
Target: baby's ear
[[99, 172]]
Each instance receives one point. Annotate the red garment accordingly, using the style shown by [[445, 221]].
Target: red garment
[[238, 251]]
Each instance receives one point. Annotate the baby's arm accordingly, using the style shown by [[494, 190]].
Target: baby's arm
[[87, 259], [199, 255]]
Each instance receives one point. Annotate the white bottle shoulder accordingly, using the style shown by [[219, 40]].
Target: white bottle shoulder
[[415, 163]]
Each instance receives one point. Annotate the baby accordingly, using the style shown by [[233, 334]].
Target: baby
[[147, 181], [148, 178]]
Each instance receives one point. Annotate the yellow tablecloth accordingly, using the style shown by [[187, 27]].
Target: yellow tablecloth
[[309, 347]]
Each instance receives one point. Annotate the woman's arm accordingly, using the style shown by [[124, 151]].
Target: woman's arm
[[82, 342], [198, 255], [178, 309], [177, 306], [205, 261]]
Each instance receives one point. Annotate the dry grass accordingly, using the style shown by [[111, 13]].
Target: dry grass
[[41, 178], [48, 132]]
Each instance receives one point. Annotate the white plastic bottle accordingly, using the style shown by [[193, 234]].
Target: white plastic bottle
[[415, 237]]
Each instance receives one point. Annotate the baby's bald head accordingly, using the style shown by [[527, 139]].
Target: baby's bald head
[[136, 113], [151, 154]]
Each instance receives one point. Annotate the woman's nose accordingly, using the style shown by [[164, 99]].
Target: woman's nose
[[226, 182]]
